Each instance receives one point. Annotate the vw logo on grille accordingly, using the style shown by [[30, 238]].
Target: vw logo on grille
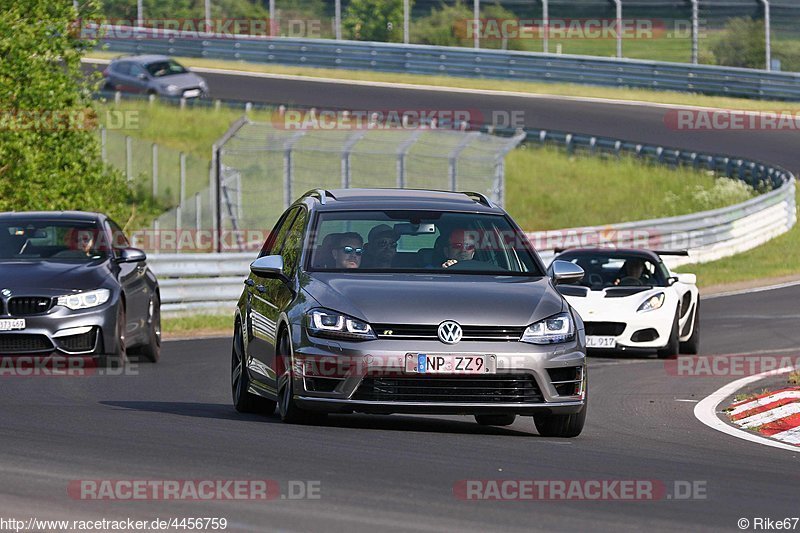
[[6, 292], [449, 332]]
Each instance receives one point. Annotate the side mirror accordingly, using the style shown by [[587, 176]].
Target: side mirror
[[689, 279], [270, 267], [131, 255], [565, 272]]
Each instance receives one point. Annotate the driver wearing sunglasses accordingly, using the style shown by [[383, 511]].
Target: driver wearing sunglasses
[[460, 247], [347, 250], [381, 247]]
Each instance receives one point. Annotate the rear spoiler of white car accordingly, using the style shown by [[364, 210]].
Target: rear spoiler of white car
[[682, 253]]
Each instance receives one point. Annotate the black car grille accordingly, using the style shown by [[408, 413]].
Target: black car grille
[[15, 343], [83, 342], [29, 305], [470, 333], [497, 388], [604, 328]]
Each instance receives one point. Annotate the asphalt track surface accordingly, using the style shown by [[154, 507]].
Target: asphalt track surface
[[174, 420]]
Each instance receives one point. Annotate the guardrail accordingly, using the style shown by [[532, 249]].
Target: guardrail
[[211, 283], [464, 62]]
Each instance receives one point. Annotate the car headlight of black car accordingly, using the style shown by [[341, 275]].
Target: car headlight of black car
[[557, 328], [326, 323], [84, 300]]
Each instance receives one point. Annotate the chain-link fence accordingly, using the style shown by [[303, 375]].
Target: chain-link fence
[[704, 31], [262, 168]]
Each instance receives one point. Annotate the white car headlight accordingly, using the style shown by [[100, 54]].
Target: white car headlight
[[84, 300], [324, 323], [652, 303], [557, 328]]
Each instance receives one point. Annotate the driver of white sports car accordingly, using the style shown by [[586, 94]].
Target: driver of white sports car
[[633, 272]]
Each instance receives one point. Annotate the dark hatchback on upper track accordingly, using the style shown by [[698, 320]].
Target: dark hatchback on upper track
[[71, 284], [402, 301]]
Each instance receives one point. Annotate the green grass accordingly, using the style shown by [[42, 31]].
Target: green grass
[[779, 257], [548, 189], [196, 325], [560, 89]]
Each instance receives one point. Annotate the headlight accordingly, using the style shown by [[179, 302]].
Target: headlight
[[557, 328], [84, 300], [170, 88], [324, 323], [652, 303]]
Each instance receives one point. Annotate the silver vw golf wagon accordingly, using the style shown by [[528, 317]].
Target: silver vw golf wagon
[[407, 301]]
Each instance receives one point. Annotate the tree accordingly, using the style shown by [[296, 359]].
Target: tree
[[741, 44], [374, 20], [49, 152]]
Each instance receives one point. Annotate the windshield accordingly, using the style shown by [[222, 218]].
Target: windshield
[[613, 269], [159, 69], [51, 240], [420, 241]]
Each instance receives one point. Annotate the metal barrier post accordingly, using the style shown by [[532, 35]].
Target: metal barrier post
[[476, 16], [406, 19], [128, 158], [546, 26], [767, 32], [155, 170], [103, 154], [695, 30]]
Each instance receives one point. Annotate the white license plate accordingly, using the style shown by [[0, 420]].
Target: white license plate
[[191, 93], [428, 363], [600, 342], [9, 324]]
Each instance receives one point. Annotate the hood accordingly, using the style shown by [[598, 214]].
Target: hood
[[430, 299], [51, 277], [188, 80]]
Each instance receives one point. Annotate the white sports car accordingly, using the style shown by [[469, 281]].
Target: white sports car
[[629, 299]]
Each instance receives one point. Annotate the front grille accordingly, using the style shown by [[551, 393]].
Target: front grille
[[29, 305], [604, 328], [11, 343], [497, 388], [470, 333], [83, 342]]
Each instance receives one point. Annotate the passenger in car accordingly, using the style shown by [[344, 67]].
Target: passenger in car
[[380, 248], [347, 250]]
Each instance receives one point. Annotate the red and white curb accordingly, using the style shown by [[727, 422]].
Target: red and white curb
[[776, 415]]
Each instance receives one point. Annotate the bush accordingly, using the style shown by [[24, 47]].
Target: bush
[[448, 26], [49, 155], [374, 20], [741, 44]]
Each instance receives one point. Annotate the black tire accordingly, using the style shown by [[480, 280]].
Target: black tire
[[245, 401], [152, 350], [692, 344], [563, 426], [117, 356], [673, 345], [495, 420], [287, 408]]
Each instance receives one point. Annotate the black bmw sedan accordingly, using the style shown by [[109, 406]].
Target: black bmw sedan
[[71, 284]]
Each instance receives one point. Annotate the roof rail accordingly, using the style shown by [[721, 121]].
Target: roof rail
[[480, 198], [322, 194]]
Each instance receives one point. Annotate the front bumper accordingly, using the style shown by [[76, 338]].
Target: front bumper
[[61, 331], [355, 370]]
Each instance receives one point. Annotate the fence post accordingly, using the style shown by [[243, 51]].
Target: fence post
[[406, 19], [103, 140], [155, 170], [288, 168], [767, 32], [476, 16], [402, 153], [546, 26], [346, 150], [619, 28], [198, 205], [695, 31], [128, 158], [213, 193], [452, 166], [337, 19], [182, 182]]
